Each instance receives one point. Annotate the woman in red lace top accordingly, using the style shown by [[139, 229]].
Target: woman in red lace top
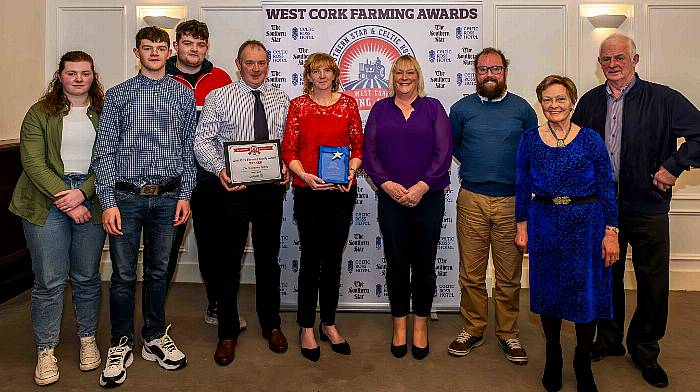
[[323, 211]]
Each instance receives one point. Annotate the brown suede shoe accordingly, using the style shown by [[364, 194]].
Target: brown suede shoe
[[276, 340], [225, 351]]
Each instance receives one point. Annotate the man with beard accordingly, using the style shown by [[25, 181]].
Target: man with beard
[[486, 127], [191, 68]]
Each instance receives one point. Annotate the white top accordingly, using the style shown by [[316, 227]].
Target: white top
[[77, 141]]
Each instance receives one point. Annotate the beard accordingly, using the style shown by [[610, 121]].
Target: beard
[[491, 91]]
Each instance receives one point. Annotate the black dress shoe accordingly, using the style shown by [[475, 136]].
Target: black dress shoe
[[225, 352], [599, 351], [420, 352], [653, 374], [312, 354], [340, 348], [399, 351]]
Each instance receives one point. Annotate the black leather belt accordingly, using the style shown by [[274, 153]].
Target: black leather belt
[[148, 189], [563, 200]]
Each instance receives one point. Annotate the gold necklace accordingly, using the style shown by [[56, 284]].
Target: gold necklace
[[560, 142], [318, 101]]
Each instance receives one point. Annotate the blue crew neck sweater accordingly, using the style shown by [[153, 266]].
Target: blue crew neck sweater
[[486, 137]]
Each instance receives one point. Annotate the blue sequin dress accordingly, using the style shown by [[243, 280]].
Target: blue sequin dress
[[568, 277]]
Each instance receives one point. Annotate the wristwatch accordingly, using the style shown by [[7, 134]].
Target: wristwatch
[[613, 229]]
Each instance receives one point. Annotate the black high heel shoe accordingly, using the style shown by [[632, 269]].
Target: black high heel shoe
[[399, 351], [420, 352], [340, 348], [312, 354]]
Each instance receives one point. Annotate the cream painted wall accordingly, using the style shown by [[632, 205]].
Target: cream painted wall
[[539, 37], [22, 28]]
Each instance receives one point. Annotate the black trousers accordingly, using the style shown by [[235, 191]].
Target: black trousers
[[175, 255], [323, 220], [411, 236], [259, 207], [648, 234], [205, 216]]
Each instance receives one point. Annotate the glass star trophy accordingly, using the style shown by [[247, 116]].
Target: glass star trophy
[[333, 164]]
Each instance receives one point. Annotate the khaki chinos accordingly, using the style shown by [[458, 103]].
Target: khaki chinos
[[483, 223]]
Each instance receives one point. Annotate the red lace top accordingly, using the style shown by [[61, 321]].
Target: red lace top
[[310, 125]]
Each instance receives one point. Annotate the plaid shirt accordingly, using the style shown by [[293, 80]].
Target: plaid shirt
[[145, 137]]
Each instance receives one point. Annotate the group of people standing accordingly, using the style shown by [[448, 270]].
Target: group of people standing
[[140, 159]]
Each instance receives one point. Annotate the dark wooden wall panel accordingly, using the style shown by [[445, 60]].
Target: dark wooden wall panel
[[15, 264]]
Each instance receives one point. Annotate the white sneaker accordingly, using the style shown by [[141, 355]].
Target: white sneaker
[[118, 359], [164, 351], [211, 317], [89, 354], [46, 371]]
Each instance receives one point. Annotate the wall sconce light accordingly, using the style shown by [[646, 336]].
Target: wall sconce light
[[162, 21], [607, 21]]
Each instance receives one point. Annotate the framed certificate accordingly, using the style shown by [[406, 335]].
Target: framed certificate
[[333, 164], [253, 162]]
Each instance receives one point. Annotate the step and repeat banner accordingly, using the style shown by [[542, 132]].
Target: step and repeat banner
[[365, 40]]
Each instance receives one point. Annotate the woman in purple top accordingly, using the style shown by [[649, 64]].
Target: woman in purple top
[[407, 152]]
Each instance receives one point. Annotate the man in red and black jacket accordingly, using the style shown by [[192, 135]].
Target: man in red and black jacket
[[191, 68]]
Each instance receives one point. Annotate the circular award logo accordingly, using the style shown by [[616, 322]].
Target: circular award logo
[[365, 55]]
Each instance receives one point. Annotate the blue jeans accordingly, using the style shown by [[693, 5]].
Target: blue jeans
[[62, 249], [154, 216]]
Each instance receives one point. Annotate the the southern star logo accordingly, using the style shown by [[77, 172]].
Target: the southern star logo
[[337, 155]]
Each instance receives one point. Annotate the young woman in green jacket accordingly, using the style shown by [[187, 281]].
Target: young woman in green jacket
[[55, 197]]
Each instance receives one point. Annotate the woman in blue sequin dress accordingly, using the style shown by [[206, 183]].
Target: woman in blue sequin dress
[[567, 220]]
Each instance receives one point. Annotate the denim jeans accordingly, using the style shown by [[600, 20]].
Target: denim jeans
[[62, 249], [154, 216]]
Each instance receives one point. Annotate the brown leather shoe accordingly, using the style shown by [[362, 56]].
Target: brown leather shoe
[[276, 340], [225, 351]]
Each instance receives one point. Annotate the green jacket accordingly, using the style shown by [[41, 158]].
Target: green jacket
[[40, 151]]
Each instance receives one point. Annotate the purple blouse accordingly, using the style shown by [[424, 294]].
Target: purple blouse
[[408, 151]]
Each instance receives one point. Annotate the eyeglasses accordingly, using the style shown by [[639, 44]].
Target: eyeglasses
[[496, 69], [560, 100]]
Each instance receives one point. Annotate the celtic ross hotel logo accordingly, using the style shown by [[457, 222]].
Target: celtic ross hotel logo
[[295, 33]]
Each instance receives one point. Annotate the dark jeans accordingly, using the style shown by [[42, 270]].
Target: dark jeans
[[648, 234], [261, 207], [323, 219], [411, 236], [154, 216]]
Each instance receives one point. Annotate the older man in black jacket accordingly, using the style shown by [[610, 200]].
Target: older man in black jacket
[[640, 122]]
